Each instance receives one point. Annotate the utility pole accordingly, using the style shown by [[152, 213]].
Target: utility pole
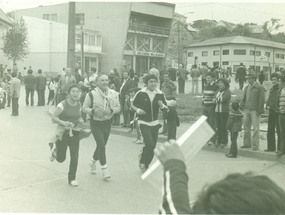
[[82, 46], [179, 42], [71, 37]]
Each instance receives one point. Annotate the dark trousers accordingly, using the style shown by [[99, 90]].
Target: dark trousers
[[116, 119], [204, 82], [171, 131], [181, 85], [100, 131], [15, 106], [8, 99], [209, 112], [241, 83], [233, 148], [41, 97], [150, 134], [28, 94], [50, 96], [73, 144], [282, 131], [3, 102], [273, 125], [222, 133]]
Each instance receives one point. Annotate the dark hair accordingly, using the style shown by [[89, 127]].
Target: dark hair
[[194, 66], [148, 77], [40, 71], [30, 71], [282, 78], [241, 194], [274, 75], [73, 86], [14, 74], [235, 106], [209, 74], [225, 82], [93, 69]]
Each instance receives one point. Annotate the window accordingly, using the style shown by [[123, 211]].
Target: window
[[98, 42], [204, 63], [277, 55], [281, 56], [51, 17], [54, 17], [92, 40], [78, 38], [216, 52], [239, 52], [46, 16], [85, 36], [267, 54], [204, 53], [225, 63], [251, 52], [216, 63], [190, 54], [256, 53], [226, 52]]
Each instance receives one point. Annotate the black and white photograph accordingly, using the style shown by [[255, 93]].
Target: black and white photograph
[[138, 107]]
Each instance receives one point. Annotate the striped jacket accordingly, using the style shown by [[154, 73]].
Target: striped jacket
[[281, 100], [209, 94], [223, 99], [175, 189]]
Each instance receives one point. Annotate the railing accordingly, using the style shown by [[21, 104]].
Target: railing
[[149, 29]]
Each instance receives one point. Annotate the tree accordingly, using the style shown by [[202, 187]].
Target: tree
[[241, 30], [16, 44], [269, 27]]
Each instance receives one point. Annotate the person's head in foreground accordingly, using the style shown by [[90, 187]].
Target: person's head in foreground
[[236, 194], [150, 82]]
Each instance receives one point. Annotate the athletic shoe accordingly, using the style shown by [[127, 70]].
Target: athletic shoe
[[53, 155], [106, 173], [73, 183], [92, 165], [138, 142], [142, 167]]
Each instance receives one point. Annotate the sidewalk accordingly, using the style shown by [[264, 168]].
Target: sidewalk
[[261, 155]]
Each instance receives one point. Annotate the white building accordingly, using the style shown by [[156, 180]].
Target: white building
[[5, 24], [231, 51], [48, 46]]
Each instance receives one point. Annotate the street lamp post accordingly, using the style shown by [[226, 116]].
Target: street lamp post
[[82, 45]]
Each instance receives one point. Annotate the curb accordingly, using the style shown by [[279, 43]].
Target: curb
[[260, 155]]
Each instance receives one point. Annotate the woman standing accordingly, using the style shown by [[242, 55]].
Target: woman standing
[[147, 103], [223, 99], [67, 116], [101, 103]]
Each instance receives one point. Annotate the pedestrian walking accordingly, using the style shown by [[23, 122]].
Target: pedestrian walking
[[147, 103], [101, 103], [203, 71], [15, 87], [253, 105], [208, 103], [182, 77], [41, 87], [273, 117], [67, 116], [223, 99], [51, 94], [234, 125], [172, 119]]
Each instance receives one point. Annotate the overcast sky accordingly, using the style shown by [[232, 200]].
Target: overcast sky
[[257, 11]]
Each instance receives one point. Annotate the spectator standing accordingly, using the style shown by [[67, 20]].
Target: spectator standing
[[25, 72], [273, 117], [234, 125], [240, 75], [77, 76], [170, 92], [223, 99], [51, 94], [127, 84], [6, 80], [195, 74], [172, 73], [154, 71], [253, 105], [101, 103], [203, 71], [281, 108], [30, 70], [115, 84], [172, 120], [161, 75], [182, 77], [208, 103], [261, 77], [15, 93], [30, 85], [65, 82], [41, 87]]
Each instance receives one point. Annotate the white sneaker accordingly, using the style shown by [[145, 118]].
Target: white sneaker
[[73, 183], [92, 165], [53, 155], [106, 173]]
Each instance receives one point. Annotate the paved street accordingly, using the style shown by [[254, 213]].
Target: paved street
[[31, 183]]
